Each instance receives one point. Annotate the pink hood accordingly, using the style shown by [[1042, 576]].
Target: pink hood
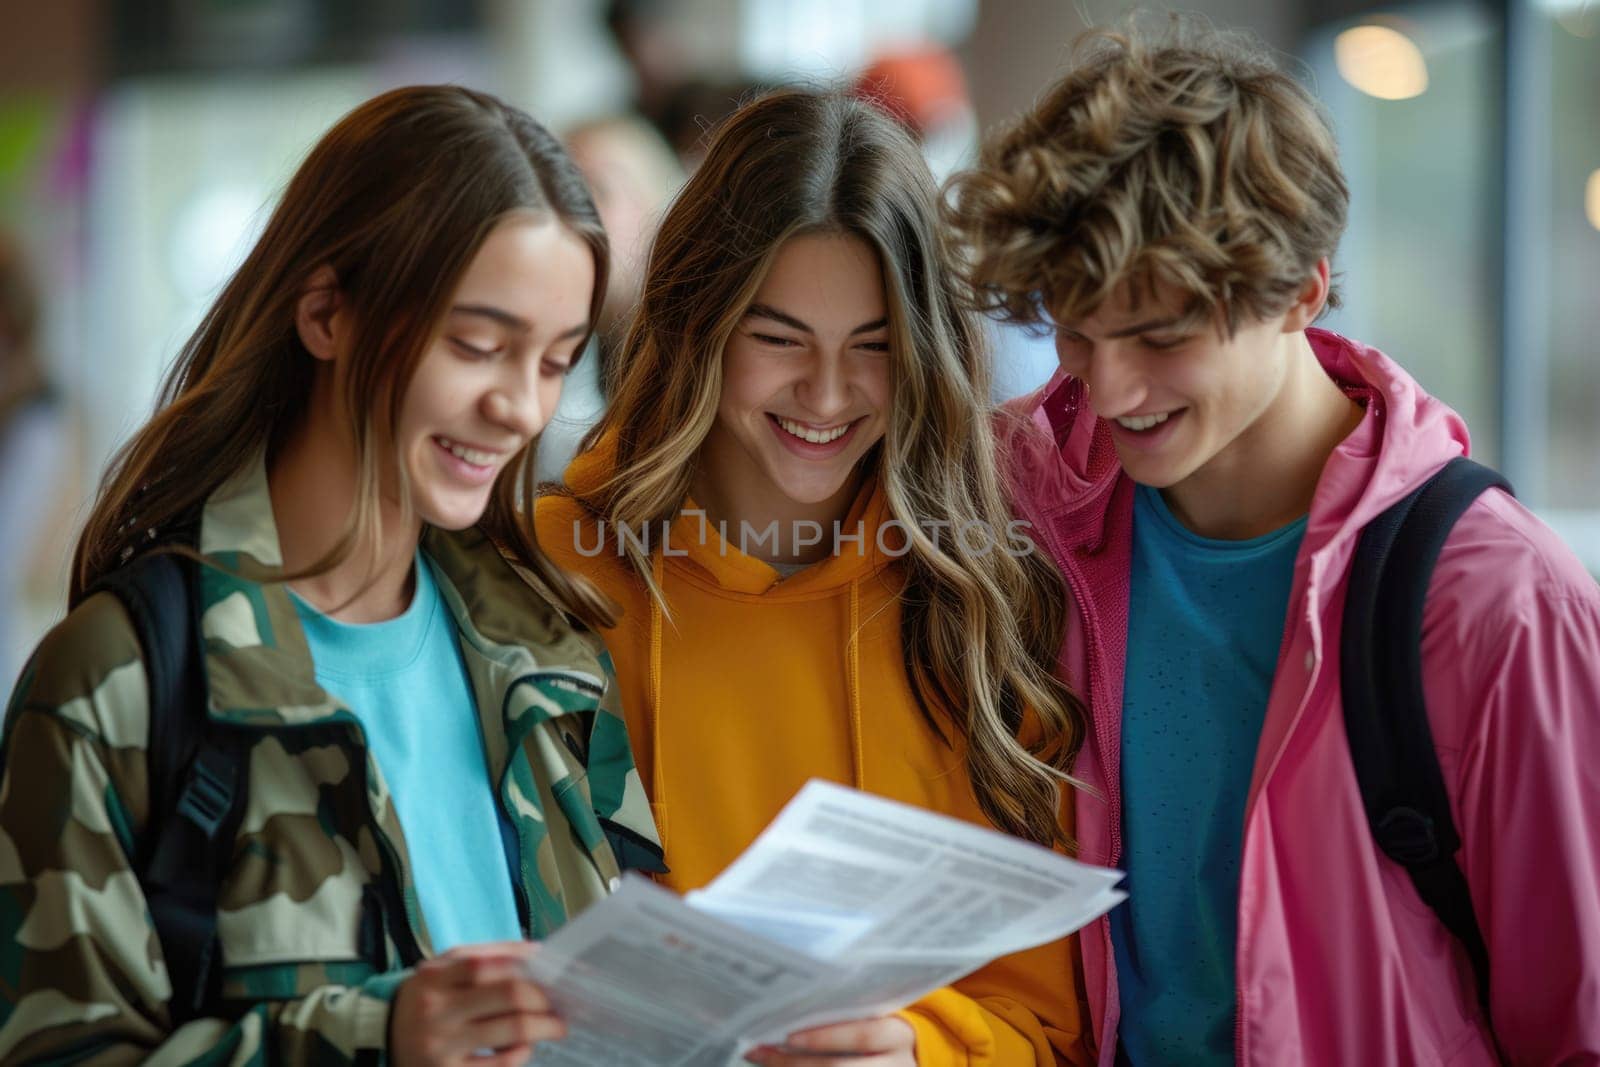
[[1338, 960]]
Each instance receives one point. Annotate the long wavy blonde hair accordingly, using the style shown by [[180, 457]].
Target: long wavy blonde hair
[[396, 199], [980, 631]]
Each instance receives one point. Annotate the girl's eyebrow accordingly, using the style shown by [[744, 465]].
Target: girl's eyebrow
[[766, 311], [513, 322]]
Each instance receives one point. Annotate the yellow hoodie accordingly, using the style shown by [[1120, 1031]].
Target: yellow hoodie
[[754, 686]]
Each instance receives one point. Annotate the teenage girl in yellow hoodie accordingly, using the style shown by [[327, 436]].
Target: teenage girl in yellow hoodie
[[798, 367]]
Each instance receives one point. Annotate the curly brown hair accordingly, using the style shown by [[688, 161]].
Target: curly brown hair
[[1185, 160]]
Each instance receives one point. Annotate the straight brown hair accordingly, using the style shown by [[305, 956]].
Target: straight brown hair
[[396, 198]]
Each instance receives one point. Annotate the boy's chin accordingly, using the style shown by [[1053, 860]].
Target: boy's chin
[[1150, 475]]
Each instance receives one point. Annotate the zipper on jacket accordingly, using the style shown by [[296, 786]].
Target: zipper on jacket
[[1062, 420], [1281, 666], [1092, 658], [520, 890], [1238, 1019], [520, 894]]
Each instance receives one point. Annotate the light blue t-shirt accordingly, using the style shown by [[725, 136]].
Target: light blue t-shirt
[[1205, 622], [406, 682]]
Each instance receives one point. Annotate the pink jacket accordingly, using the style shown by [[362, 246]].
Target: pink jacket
[[1339, 962]]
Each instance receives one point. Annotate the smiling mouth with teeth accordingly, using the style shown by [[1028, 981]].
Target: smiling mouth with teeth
[[1140, 423], [476, 457], [815, 437]]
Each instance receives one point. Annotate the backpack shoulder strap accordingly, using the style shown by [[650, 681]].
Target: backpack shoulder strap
[[1385, 716], [154, 591], [196, 772]]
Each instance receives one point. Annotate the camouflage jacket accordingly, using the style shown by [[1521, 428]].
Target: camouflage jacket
[[81, 971]]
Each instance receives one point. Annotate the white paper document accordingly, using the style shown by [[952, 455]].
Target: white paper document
[[847, 906]]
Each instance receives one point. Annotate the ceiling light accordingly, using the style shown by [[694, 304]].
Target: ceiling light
[[1381, 61]]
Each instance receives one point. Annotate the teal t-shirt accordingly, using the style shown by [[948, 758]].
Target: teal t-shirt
[[406, 682], [1205, 623]]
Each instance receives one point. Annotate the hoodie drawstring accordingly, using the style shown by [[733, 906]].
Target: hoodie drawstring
[[658, 793], [858, 757]]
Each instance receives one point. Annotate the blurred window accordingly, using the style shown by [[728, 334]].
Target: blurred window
[[827, 38], [1572, 244], [1418, 264], [1474, 238]]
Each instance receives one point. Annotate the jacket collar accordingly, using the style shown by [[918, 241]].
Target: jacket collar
[[257, 661], [1404, 438], [258, 665]]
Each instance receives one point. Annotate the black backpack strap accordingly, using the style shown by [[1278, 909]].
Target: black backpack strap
[[154, 591], [1385, 716], [197, 772]]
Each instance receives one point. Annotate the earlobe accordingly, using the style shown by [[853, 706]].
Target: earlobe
[[316, 312], [1310, 300]]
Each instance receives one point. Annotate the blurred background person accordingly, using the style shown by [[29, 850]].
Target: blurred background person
[[632, 173], [677, 87], [33, 439], [650, 39], [925, 88]]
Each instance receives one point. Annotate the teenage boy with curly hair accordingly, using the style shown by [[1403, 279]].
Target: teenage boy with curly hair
[[1202, 469]]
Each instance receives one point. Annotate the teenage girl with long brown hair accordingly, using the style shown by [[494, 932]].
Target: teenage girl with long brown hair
[[432, 757]]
